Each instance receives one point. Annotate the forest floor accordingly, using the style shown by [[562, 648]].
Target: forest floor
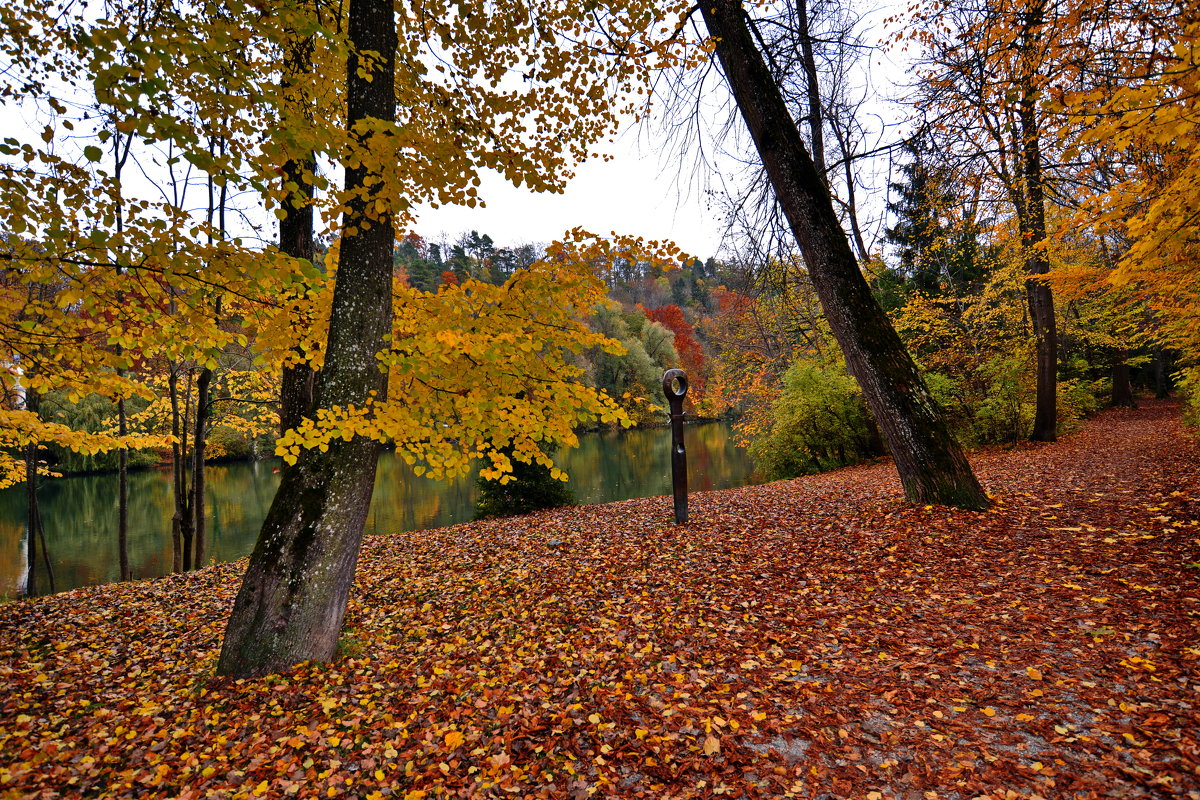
[[808, 638]]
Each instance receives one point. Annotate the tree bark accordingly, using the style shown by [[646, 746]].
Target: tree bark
[[293, 598], [181, 520], [1122, 389], [203, 412], [816, 128], [296, 235], [33, 511], [1031, 222], [123, 494], [932, 466]]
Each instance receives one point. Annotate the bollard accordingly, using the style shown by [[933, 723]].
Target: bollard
[[678, 453]]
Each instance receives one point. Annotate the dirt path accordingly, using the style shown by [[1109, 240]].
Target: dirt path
[[812, 638]]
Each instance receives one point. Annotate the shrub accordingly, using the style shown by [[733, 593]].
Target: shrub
[[532, 489], [819, 422]]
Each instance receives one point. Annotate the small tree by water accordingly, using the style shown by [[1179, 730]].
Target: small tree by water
[[532, 489]]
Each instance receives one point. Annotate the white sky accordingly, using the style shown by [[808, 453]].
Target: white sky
[[638, 192], [642, 191]]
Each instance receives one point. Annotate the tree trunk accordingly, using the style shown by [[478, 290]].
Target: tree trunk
[[123, 494], [1122, 389], [296, 235], [293, 598], [1031, 221], [198, 442], [1162, 379], [181, 522], [816, 129], [33, 511], [932, 466]]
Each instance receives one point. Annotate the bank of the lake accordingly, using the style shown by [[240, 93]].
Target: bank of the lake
[[80, 512]]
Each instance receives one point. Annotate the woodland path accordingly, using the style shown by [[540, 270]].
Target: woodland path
[[808, 638]]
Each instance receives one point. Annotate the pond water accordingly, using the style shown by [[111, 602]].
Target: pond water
[[80, 513]]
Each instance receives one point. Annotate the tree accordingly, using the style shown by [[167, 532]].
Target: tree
[[315, 523], [931, 464], [987, 72], [935, 233], [493, 376]]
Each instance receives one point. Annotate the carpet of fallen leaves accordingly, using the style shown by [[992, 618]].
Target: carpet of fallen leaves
[[812, 638]]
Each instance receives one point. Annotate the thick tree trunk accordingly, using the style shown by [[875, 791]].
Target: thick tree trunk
[[123, 495], [293, 598], [932, 466], [203, 412]]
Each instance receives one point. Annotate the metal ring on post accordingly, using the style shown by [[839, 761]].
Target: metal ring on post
[[675, 397], [678, 454]]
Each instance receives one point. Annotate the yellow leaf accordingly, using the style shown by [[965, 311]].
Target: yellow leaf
[[989, 712], [1033, 673], [261, 789], [454, 739]]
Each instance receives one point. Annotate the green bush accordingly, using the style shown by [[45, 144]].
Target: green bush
[[819, 422], [532, 489]]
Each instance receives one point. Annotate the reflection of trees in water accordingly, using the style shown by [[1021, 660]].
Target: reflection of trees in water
[[12, 554], [618, 465], [406, 502], [80, 513]]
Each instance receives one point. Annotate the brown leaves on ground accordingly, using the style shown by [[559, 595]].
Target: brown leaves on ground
[[813, 638]]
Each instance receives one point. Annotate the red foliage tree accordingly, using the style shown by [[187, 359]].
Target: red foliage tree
[[691, 353]]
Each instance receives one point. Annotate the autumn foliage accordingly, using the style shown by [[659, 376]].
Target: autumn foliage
[[691, 353], [797, 639]]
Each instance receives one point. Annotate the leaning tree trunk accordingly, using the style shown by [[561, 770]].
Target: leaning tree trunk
[[293, 598], [932, 466]]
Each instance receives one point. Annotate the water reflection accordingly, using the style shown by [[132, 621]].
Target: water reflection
[[80, 513]]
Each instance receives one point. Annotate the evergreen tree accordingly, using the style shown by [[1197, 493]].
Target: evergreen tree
[[936, 239]]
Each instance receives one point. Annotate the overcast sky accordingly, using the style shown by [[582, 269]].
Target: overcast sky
[[639, 192], [644, 190]]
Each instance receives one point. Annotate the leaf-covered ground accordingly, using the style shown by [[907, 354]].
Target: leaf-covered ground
[[813, 638]]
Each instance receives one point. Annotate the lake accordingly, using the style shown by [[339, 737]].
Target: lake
[[80, 513]]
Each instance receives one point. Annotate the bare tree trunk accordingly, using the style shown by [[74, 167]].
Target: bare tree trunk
[[1162, 383], [1031, 220], [932, 466], [179, 519], [812, 89], [123, 494], [203, 412], [33, 512], [37, 531], [1032, 225], [296, 240], [293, 598]]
